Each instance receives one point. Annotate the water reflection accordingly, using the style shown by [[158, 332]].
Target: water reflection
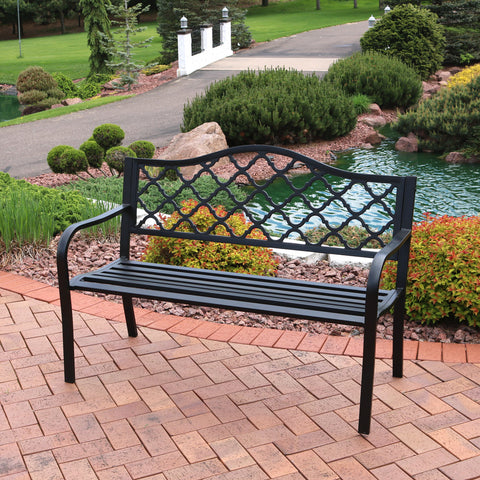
[[9, 107]]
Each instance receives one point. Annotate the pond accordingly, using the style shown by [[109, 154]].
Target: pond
[[9, 107], [442, 188]]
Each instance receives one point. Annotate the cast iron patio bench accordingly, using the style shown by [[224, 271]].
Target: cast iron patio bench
[[299, 193]]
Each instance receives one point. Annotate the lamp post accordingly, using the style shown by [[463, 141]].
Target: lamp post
[[386, 10], [371, 21], [183, 23], [224, 12], [18, 27]]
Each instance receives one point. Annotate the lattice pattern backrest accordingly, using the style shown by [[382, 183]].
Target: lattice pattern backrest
[[281, 195]]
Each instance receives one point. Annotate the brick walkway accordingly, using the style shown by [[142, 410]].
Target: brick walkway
[[191, 400]]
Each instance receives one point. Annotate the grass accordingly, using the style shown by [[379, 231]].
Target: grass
[[56, 112], [285, 18], [63, 53]]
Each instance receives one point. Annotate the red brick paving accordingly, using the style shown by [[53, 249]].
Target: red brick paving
[[165, 406]]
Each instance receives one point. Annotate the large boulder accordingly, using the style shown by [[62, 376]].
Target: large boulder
[[458, 157], [374, 121], [407, 144], [374, 138], [204, 139]]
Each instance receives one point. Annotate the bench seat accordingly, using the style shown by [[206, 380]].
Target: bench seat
[[278, 296]]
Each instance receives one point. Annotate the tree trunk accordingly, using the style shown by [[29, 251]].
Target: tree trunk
[[355, 5], [318, 4], [62, 22], [264, 3]]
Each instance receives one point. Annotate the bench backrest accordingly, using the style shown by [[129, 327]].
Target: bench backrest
[[298, 194]]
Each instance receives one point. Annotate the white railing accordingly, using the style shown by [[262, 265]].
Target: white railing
[[188, 63]]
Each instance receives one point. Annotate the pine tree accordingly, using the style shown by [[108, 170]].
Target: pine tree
[[97, 26], [121, 45]]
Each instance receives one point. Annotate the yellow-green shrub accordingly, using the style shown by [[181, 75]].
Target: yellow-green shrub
[[465, 76], [210, 255], [444, 270]]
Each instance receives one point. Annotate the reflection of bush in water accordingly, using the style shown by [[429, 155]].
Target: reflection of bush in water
[[353, 235]]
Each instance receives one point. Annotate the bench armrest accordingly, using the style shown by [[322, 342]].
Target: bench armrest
[[400, 241], [67, 235]]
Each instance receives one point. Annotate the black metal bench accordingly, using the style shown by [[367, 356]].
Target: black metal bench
[[313, 194]]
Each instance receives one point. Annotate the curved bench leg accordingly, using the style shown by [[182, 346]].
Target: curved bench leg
[[129, 315]]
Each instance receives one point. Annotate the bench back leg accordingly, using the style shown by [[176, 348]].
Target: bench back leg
[[129, 315], [398, 319]]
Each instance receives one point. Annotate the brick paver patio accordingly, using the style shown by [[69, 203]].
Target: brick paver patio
[[191, 400]]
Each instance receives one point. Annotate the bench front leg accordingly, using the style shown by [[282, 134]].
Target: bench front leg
[[129, 315]]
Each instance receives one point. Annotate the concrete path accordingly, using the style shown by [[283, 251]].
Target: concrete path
[[157, 115], [194, 400]]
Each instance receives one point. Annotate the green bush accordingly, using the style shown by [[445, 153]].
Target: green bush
[[35, 78], [273, 106], [65, 84], [153, 69], [73, 161], [210, 255], [53, 158], [94, 153], [32, 97], [444, 271], [410, 33], [143, 148], [352, 235], [115, 157], [88, 89], [108, 135], [361, 103], [449, 121], [386, 80]]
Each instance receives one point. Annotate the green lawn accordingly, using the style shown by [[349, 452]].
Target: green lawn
[[62, 53], [285, 18]]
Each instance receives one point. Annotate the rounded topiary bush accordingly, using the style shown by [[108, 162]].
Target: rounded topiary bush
[[73, 161], [53, 158], [448, 121], [32, 97], [410, 33], [94, 152], [115, 157], [386, 80], [273, 106], [143, 148], [108, 135], [443, 271], [210, 255], [35, 78]]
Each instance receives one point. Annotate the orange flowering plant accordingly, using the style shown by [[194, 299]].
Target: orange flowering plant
[[210, 255], [444, 270]]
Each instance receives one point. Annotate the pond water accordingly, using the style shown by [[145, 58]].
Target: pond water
[[9, 107], [442, 188]]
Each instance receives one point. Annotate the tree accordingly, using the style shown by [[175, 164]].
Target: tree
[[8, 13], [121, 45], [97, 24], [50, 11]]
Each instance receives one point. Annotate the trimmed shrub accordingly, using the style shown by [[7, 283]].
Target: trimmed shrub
[[143, 148], [410, 33], [32, 97], [210, 255], [449, 121], [35, 78], [444, 271], [94, 153], [386, 80], [108, 135], [273, 106], [65, 84], [53, 158], [88, 89], [115, 157], [465, 76], [152, 70], [73, 161]]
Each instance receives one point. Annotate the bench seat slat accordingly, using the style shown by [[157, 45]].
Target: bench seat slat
[[294, 298]]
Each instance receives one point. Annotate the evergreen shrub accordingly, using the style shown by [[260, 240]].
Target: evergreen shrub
[[94, 153], [53, 158], [386, 80], [410, 33], [210, 255], [73, 161], [88, 89], [449, 121], [465, 76], [108, 135], [153, 69], [273, 106], [65, 84], [143, 148], [32, 97], [35, 78], [444, 271], [115, 158]]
